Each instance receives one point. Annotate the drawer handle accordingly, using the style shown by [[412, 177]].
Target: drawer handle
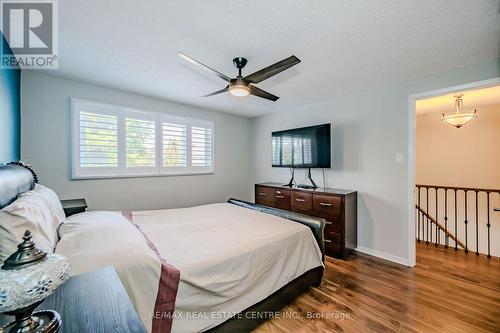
[[327, 241], [262, 194], [280, 197], [328, 222], [278, 192], [325, 204], [300, 200]]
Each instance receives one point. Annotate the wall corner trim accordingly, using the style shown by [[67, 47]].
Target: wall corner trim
[[384, 255]]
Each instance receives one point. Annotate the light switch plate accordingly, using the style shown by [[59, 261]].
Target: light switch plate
[[400, 158]]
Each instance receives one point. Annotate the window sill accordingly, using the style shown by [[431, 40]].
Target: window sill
[[152, 175]]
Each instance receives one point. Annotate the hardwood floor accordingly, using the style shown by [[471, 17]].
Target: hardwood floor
[[448, 291]]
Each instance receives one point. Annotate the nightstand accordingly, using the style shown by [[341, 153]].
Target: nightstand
[[74, 206], [92, 302]]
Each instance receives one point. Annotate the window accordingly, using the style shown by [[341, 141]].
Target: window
[[174, 145], [201, 146], [111, 141], [140, 142]]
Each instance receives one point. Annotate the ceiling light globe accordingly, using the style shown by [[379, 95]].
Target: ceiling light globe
[[239, 90], [460, 119]]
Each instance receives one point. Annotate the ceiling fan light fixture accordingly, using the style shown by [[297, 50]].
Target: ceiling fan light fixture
[[242, 86], [459, 119], [239, 90]]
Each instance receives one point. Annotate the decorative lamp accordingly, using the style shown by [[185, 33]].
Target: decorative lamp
[[27, 277], [459, 119]]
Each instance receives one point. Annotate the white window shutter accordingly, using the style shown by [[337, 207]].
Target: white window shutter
[[201, 146], [174, 138], [98, 144], [140, 142]]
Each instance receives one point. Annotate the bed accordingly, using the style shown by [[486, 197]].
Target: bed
[[206, 268]]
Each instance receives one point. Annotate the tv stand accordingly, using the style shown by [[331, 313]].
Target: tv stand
[[313, 185], [310, 178], [292, 180]]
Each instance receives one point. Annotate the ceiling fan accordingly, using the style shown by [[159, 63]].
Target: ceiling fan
[[244, 85]]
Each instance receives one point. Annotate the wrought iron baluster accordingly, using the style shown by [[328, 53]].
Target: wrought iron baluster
[[489, 224], [446, 218], [456, 229], [437, 221], [465, 221], [419, 215], [477, 226], [427, 217]]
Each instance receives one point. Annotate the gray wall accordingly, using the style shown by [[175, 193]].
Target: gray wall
[[45, 134], [369, 129]]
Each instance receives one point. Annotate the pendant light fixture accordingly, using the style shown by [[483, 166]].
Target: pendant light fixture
[[458, 119]]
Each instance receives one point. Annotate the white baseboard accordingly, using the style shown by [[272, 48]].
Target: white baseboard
[[383, 255]]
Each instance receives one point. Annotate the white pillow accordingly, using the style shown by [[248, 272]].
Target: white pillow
[[51, 200], [12, 229], [34, 215]]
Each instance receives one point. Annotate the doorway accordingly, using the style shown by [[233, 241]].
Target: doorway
[[425, 216]]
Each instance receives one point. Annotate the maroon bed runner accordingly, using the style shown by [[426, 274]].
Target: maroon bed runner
[[167, 288]]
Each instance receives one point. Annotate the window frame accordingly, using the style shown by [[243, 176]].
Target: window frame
[[122, 171]]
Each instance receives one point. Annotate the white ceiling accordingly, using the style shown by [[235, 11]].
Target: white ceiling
[[345, 46]]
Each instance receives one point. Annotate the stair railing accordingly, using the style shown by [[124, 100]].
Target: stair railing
[[443, 215]]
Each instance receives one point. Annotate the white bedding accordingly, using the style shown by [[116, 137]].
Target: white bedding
[[229, 258]]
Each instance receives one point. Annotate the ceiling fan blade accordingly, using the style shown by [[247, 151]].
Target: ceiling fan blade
[[205, 67], [217, 92], [272, 70], [262, 93]]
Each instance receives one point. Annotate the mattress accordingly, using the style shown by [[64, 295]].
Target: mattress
[[229, 258]]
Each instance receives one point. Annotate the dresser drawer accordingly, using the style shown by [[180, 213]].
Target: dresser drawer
[[282, 199], [264, 195], [327, 206], [333, 226], [301, 202], [333, 244], [272, 197]]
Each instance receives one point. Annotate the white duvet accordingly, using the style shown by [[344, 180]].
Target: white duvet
[[229, 258]]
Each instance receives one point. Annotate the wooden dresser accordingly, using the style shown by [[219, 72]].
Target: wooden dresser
[[337, 207]]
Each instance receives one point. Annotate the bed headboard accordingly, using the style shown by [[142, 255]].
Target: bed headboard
[[15, 179], [316, 224]]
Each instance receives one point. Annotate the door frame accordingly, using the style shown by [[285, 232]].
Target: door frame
[[412, 99]]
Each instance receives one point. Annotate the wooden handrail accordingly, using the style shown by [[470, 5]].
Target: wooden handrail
[[472, 189], [440, 226]]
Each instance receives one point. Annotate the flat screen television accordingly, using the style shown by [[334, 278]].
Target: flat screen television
[[306, 147]]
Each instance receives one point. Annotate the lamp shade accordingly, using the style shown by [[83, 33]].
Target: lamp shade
[[460, 119], [27, 277], [239, 90]]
